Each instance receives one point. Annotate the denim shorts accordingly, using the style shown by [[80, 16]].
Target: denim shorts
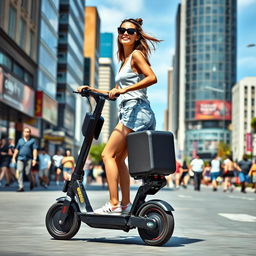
[[137, 115], [68, 170], [215, 175], [244, 177]]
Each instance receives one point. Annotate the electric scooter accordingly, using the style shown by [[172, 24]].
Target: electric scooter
[[150, 157]]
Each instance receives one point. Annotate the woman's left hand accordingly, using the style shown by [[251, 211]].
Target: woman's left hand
[[115, 92]]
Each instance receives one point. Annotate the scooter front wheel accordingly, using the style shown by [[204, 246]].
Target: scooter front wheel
[[68, 229], [164, 224]]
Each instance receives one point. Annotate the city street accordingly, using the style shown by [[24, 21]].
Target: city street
[[206, 223]]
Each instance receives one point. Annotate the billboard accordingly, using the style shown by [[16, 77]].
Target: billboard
[[212, 110], [16, 94]]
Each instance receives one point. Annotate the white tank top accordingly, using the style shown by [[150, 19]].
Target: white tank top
[[127, 77]]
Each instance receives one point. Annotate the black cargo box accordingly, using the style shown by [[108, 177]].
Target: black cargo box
[[151, 153]]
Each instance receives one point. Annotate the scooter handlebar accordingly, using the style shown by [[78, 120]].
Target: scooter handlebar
[[87, 93]]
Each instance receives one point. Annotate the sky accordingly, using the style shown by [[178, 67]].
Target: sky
[[159, 20]]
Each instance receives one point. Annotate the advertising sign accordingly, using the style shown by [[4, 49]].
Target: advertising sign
[[46, 107], [248, 139], [16, 94], [212, 110]]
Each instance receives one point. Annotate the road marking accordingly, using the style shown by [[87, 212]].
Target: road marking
[[239, 217], [243, 197], [183, 196]]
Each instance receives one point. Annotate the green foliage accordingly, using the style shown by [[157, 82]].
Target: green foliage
[[95, 152], [253, 124], [223, 150]]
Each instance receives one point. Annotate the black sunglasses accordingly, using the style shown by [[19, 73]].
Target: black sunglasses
[[130, 31]]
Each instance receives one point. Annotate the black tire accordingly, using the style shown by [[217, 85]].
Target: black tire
[[164, 221], [69, 229]]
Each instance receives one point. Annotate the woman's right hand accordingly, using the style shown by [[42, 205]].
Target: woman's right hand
[[80, 88]]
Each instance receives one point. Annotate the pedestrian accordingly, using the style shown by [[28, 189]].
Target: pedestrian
[[228, 173], [5, 160], [252, 174], [68, 163], [184, 179], [207, 173], [178, 174], [25, 155], [197, 166], [245, 166], [135, 113], [57, 163], [215, 172], [12, 166], [44, 167], [88, 171]]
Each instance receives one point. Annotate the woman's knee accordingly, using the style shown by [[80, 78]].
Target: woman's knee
[[106, 155]]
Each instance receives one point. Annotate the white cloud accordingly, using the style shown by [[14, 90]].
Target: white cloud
[[245, 3], [247, 62], [129, 7]]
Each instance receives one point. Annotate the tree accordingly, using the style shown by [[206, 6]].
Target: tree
[[253, 124], [223, 149], [95, 152]]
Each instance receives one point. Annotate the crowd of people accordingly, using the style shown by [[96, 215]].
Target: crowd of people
[[217, 173], [39, 167]]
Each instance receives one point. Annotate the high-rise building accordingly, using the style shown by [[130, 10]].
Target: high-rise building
[[204, 73], [107, 82], [46, 104], [243, 111], [169, 110], [71, 108], [18, 66], [92, 45]]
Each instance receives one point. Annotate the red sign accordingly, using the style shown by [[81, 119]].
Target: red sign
[[39, 104], [46, 107], [248, 139], [212, 110]]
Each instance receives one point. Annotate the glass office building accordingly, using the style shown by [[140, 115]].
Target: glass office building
[[208, 28], [70, 70]]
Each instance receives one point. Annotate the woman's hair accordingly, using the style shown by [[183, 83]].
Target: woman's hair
[[141, 44]]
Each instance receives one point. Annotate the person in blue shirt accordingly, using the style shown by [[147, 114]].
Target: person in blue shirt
[[25, 155]]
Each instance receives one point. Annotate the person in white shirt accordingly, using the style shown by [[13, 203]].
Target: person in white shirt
[[197, 166], [215, 172], [57, 158], [44, 167]]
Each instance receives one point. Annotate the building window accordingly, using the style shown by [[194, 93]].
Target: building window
[[12, 22], [5, 61], [18, 71], [22, 33], [31, 44]]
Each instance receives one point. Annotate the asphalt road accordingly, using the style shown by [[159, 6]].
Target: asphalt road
[[206, 223]]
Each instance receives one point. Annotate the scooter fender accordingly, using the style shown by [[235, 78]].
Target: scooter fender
[[73, 204], [167, 207]]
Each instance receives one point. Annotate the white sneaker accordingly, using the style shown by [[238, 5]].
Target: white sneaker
[[109, 208], [126, 208]]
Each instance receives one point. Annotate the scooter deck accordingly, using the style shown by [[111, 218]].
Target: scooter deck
[[108, 221]]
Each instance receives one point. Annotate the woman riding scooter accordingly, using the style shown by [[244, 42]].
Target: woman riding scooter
[[135, 113]]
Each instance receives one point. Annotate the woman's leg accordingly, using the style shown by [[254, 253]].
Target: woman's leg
[[124, 177], [115, 147]]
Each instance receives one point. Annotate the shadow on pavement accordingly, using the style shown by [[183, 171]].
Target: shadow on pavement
[[173, 242]]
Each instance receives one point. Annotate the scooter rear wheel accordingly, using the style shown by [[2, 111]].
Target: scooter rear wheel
[[164, 222], [70, 227]]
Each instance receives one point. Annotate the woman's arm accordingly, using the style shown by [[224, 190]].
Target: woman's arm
[[80, 88], [140, 66]]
